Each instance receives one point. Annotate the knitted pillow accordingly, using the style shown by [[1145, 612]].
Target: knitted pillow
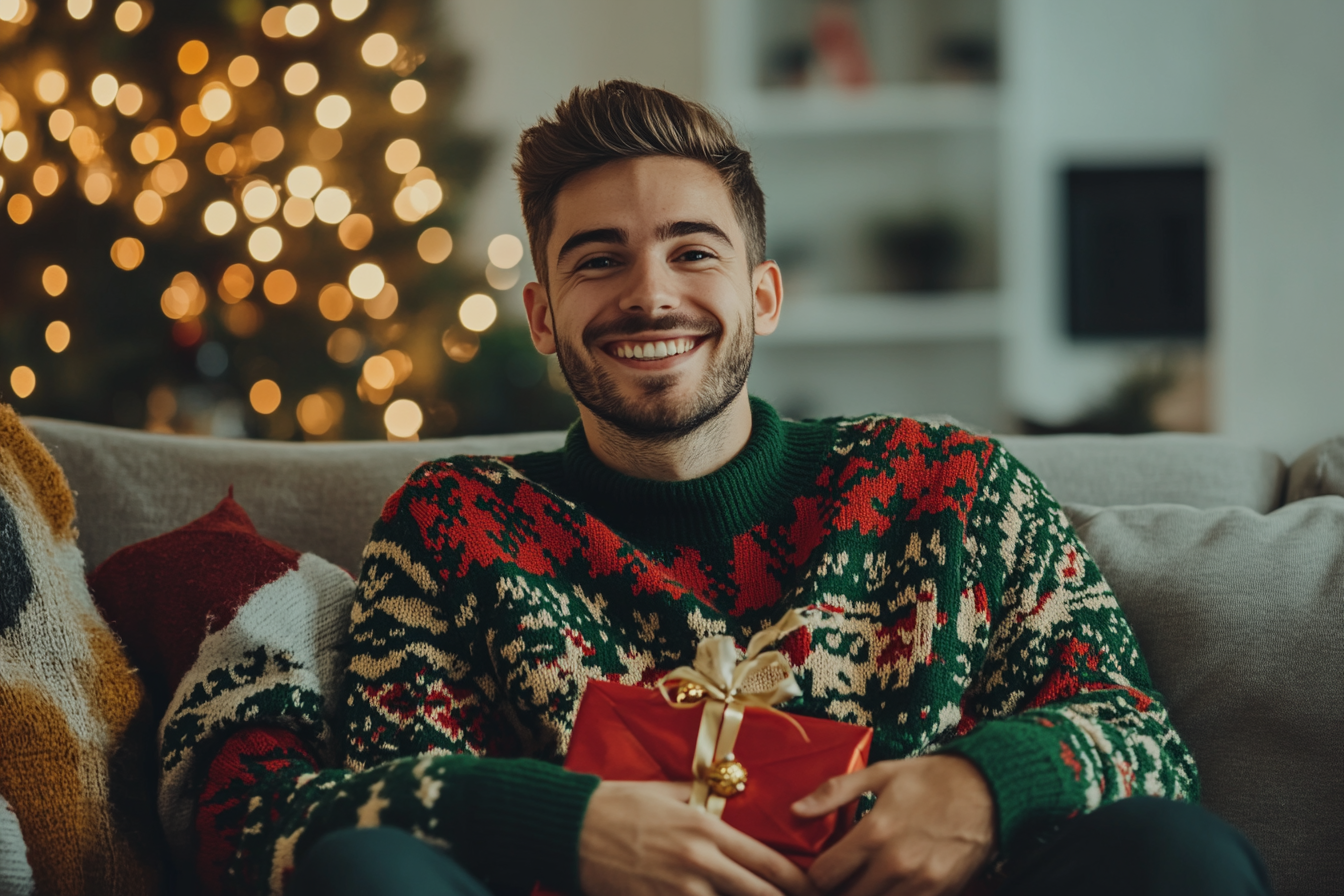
[[187, 604], [75, 736]]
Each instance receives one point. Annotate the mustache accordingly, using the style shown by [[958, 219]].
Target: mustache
[[636, 324]]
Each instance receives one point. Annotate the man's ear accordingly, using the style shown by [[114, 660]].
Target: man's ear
[[767, 286], [538, 305]]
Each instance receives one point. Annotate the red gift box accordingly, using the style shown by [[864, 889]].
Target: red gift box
[[625, 733]]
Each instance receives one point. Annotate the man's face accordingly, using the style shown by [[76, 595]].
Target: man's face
[[652, 306]]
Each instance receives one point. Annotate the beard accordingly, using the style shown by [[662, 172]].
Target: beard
[[655, 415]]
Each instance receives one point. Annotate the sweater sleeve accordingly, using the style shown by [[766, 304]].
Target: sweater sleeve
[[1065, 718], [425, 745]]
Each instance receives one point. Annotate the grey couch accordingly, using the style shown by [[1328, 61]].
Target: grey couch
[[1228, 563]]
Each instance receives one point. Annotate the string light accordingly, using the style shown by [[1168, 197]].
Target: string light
[[243, 70], [304, 181], [348, 10], [260, 201], [216, 101], [383, 305], [129, 99], [273, 22], [302, 19], [298, 212], [220, 216], [333, 111], [54, 279], [280, 287], [193, 121], [22, 381], [505, 251], [267, 143], [344, 345], [335, 302], [301, 78], [355, 232], [403, 418], [85, 145], [366, 280], [46, 179], [220, 158], [166, 140], [379, 49], [50, 86], [332, 205], [16, 146], [104, 89], [501, 279], [236, 284], [79, 9], [20, 208], [265, 244], [174, 303], [243, 319], [58, 336], [264, 396], [434, 245], [127, 253], [129, 16], [402, 155], [149, 207], [378, 372], [97, 188], [168, 177], [315, 414], [477, 312], [61, 123], [408, 96], [193, 56], [325, 143]]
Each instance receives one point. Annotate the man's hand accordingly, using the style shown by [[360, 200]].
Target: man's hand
[[929, 833], [640, 838]]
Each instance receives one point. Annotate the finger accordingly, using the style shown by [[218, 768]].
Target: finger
[[728, 878], [877, 879], [675, 790], [761, 861], [841, 862], [838, 791]]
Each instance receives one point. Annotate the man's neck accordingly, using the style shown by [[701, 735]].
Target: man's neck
[[696, 454]]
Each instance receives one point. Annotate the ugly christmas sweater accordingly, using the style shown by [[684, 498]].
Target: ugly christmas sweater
[[951, 608]]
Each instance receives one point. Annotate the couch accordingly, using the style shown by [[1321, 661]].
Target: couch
[[1228, 562]]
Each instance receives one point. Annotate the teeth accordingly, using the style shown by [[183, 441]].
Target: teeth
[[654, 350]]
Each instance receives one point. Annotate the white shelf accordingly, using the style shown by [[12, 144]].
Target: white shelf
[[877, 318], [893, 108]]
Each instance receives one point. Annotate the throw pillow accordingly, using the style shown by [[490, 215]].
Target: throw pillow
[[1239, 615], [191, 602], [16, 876], [1319, 471], [75, 735]]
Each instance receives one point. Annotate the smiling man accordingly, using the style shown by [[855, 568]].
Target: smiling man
[[1019, 746]]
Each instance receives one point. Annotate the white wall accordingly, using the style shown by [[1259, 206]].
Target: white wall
[[1088, 80], [1280, 329]]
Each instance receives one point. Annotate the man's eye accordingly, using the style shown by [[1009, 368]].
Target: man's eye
[[695, 255], [596, 263]]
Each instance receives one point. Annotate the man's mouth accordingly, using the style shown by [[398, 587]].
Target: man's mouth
[[652, 350]]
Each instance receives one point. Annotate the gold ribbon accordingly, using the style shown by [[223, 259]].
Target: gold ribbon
[[729, 686]]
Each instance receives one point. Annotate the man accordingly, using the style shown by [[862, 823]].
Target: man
[[1017, 736]]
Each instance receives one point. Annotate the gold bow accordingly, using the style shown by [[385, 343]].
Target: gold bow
[[727, 687]]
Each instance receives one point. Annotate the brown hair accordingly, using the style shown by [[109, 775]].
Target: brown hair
[[624, 120]]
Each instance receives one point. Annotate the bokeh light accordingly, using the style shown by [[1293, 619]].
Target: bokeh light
[[434, 245], [127, 253], [16, 146], [267, 143], [164, 137], [344, 345], [301, 78], [265, 244], [403, 418], [302, 19], [129, 99], [97, 187], [402, 155], [220, 217], [237, 283], [315, 414], [501, 279], [379, 49], [383, 305], [104, 89], [264, 396], [304, 181], [332, 111], [58, 336], [280, 287], [168, 177], [243, 70], [22, 381], [50, 86], [366, 280], [192, 57], [216, 101], [20, 208], [260, 201], [54, 279], [325, 143], [332, 205], [46, 179], [79, 9], [505, 251], [242, 319], [61, 123], [175, 303], [273, 22], [477, 312], [129, 16], [149, 207], [379, 373], [348, 10], [299, 212], [335, 302], [221, 158], [402, 365], [193, 121], [355, 232], [408, 96], [84, 143]]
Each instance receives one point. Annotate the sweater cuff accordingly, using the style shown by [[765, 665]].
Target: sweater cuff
[[1025, 765], [526, 820]]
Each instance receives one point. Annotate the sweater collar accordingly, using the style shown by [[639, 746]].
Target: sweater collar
[[779, 462]]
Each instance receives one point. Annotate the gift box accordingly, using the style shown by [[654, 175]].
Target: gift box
[[625, 733]]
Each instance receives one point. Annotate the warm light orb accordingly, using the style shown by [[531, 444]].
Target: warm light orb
[[335, 302], [280, 287], [505, 251], [264, 396], [273, 22], [193, 120], [302, 19], [127, 253], [267, 143], [325, 144], [84, 143], [22, 381], [366, 280], [304, 181], [129, 99], [221, 158], [298, 212], [408, 96], [236, 284], [58, 336], [46, 179], [219, 217], [355, 232], [144, 148], [434, 245], [301, 78], [265, 244], [163, 136], [168, 177], [79, 9], [383, 305], [61, 124], [332, 205], [149, 207], [403, 418], [216, 101], [477, 312], [379, 372], [50, 86], [260, 201], [379, 49], [243, 70], [193, 56], [104, 89], [402, 155], [345, 345], [499, 278], [97, 188], [333, 111], [16, 146], [129, 16], [348, 10], [20, 208], [175, 303], [54, 279], [314, 414]]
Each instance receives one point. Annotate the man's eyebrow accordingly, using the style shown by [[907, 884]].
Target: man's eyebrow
[[674, 229], [600, 235]]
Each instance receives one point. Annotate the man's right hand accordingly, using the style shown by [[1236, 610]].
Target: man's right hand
[[640, 838]]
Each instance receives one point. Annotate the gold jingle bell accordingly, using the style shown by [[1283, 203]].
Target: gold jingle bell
[[727, 777], [690, 692]]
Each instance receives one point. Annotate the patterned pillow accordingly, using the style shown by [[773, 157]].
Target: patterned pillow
[[192, 601]]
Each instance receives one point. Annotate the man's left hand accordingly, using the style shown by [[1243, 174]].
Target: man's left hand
[[931, 830]]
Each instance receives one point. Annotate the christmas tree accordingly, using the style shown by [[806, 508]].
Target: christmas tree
[[228, 218]]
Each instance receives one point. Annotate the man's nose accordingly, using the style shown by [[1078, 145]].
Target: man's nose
[[651, 288]]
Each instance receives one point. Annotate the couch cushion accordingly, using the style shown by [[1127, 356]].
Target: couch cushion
[[318, 497], [1241, 618], [1169, 468], [1319, 471]]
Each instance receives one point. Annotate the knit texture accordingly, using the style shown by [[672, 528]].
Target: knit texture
[[16, 876], [75, 730], [951, 608]]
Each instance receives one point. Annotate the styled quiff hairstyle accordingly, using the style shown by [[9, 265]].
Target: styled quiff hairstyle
[[624, 120]]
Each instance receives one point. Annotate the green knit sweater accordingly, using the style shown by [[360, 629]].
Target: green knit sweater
[[952, 608]]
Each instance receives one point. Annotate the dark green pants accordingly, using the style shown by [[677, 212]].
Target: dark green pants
[[1136, 847]]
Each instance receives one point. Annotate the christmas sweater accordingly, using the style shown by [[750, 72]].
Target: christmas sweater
[[951, 608]]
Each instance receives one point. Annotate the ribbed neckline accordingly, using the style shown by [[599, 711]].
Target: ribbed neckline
[[780, 461]]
